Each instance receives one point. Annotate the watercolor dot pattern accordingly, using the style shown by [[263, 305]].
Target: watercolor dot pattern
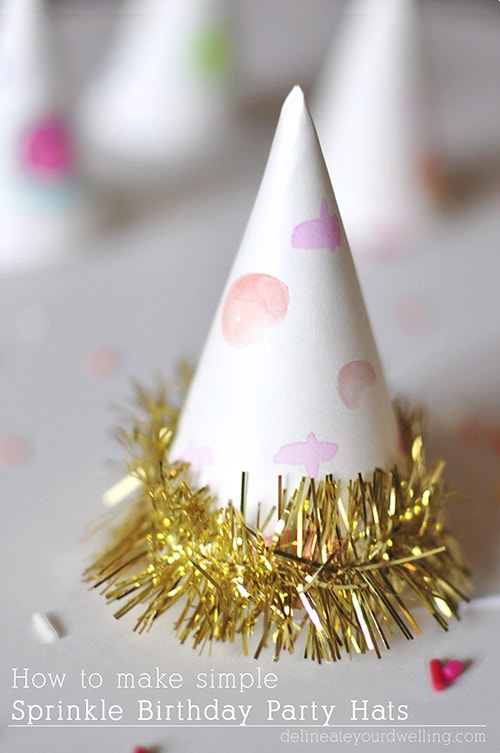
[[352, 380], [254, 303], [309, 454], [318, 233], [47, 152]]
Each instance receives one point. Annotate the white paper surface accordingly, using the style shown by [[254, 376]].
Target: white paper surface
[[290, 381], [163, 91], [374, 120]]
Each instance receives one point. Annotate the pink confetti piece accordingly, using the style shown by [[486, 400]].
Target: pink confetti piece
[[352, 380], [254, 303], [13, 450], [310, 454], [453, 669], [438, 679], [320, 232], [102, 362], [444, 674]]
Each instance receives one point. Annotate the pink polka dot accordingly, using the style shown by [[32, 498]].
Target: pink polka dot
[[352, 380], [254, 303], [102, 362], [47, 150], [12, 450]]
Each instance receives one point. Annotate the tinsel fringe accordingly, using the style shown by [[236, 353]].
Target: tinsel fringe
[[338, 565]]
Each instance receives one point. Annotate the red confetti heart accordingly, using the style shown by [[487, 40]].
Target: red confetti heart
[[453, 669]]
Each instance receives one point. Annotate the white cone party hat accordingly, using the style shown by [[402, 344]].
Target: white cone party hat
[[43, 205], [289, 387], [290, 382], [373, 115], [163, 92]]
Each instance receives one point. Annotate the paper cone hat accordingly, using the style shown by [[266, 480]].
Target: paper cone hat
[[290, 382], [42, 203], [289, 386], [372, 112], [163, 91]]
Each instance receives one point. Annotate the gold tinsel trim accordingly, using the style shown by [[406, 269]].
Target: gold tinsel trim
[[336, 566]]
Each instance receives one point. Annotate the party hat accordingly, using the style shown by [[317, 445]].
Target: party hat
[[290, 382], [43, 204], [286, 497], [373, 114], [163, 92]]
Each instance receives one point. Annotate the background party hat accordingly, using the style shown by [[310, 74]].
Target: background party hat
[[373, 115], [163, 92], [290, 382], [43, 205]]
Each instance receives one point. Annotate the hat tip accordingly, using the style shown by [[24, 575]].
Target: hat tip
[[294, 99]]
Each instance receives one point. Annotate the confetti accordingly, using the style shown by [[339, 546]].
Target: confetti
[[13, 450], [438, 679], [120, 491], [444, 674], [453, 669], [44, 628], [102, 362]]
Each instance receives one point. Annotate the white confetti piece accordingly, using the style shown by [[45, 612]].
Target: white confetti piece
[[44, 628], [120, 491]]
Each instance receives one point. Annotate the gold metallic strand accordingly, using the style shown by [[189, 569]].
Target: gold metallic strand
[[337, 565]]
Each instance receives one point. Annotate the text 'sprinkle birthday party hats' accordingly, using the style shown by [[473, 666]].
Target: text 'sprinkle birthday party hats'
[[288, 496], [374, 119], [43, 206], [163, 91]]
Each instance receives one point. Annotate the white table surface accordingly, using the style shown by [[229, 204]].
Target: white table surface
[[147, 289]]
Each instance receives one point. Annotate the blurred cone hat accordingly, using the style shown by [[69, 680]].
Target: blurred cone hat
[[373, 113], [43, 205], [163, 91], [290, 382]]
